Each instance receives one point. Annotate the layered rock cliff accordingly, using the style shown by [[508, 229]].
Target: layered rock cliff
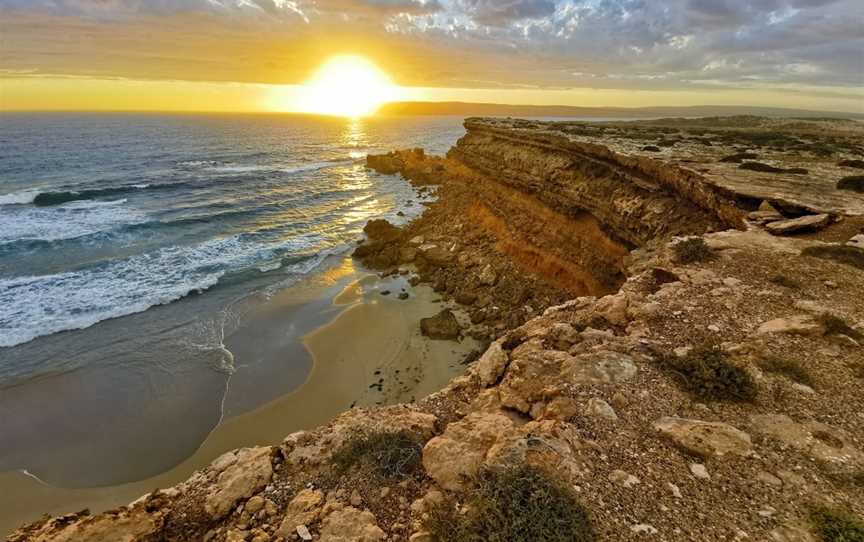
[[663, 362]]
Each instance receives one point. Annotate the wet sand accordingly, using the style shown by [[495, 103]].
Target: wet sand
[[351, 331]]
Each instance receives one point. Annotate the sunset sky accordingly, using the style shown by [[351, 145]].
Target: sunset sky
[[249, 55]]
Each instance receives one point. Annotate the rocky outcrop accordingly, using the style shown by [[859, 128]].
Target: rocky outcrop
[[592, 390], [636, 199]]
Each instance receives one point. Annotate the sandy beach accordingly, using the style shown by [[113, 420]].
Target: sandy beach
[[353, 338]]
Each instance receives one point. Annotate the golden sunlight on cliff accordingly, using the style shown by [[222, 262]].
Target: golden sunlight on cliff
[[348, 86]]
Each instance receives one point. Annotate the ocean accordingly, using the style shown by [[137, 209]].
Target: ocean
[[158, 276], [107, 215]]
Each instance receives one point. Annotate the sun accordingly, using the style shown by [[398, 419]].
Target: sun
[[348, 86]]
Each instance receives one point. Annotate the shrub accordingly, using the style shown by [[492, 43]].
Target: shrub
[[391, 455], [513, 504], [709, 374], [834, 325], [834, 525], [844, 254], [691, 250], [784, 281], [788, 368]]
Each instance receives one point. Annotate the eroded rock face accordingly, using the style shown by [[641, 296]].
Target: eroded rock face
[[250, 471], [575, 176], [706, 439], [125, 525]]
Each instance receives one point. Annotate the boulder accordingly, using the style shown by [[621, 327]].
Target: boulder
[[462, 449], [706, 439], [435, 255], [491, 364], [799, 225], [248, 474], [599, 408], [443, 326], [351, 525], [802, 324], [381, 230], [301, 511]]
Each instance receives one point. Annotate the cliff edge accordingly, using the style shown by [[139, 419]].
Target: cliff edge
[[674, 318]]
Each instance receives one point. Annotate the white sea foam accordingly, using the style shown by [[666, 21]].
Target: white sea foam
[[67, 221], [41, 305], [19, 198]]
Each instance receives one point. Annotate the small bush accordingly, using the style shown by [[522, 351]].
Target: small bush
[[788, 368], [513, 504], [709, 374], [784, 281], [388, 455], [691, 250], [834, 325], [837, 525], [844, 254]]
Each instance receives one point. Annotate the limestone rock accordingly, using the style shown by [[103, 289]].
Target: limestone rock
[[351, 525], [381, 230], [491, 364], [706, 439], [818, 440], [802, 324], [435, 255], [249, 473], [699, 471], [487, 276], [461, 450], [443, 326], [123, 525], [301, 511], [561, 408], [600, 409], [797, 225]]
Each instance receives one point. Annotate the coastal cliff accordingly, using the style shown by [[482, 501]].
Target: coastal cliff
[[674, 352]]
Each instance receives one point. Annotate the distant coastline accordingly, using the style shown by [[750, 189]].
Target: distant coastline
[[466, 109]]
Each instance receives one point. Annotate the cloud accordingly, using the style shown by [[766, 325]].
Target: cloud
[[674, 44], [500, 12]]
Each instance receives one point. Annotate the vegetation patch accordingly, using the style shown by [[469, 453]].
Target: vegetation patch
[[784, 281], [854, 183], [513, 504], [846, 254], [708, 373], [834, 525], [834, 325], [691, 250], [788, 368], [389, 455]]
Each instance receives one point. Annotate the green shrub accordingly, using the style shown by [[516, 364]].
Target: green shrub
[[513, 504], [391, 455], [834, 525], [788, 368], [691, 250], [709, 374]]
